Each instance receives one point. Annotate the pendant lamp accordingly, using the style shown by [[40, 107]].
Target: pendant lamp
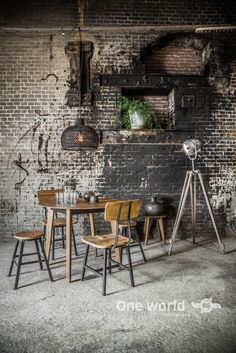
[[79, 136]]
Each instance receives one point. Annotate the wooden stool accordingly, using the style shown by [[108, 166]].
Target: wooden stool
[[21, 237], [147, 225]]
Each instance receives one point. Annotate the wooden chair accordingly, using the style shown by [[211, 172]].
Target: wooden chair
[[22, 237], [123, 225], [115, 211], [59, 222]]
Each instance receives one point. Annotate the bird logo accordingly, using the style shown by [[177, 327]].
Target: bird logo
[[206, 305]]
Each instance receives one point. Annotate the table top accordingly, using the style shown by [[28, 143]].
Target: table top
[[81, 205]]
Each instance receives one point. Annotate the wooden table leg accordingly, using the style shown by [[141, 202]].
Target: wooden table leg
[[93, 230], [49, 231], [68, 244]]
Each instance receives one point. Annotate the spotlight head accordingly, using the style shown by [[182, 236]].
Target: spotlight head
[[191, 147]]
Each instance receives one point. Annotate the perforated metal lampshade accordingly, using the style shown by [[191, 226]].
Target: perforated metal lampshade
[[79, 136]]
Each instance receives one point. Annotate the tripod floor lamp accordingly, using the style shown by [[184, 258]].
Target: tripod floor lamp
[[191, 147]]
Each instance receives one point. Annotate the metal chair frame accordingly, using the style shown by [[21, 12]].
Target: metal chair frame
[[108, 262], [38, 245]]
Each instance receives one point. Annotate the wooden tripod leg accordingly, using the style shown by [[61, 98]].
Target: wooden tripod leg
[[93, 231], [193, 205], [222, 247], [180, 210], [181, 197]]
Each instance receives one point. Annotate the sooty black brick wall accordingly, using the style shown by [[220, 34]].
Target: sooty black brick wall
[[151, 12], [33, 79]]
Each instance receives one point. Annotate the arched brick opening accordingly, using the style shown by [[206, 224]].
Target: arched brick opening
[[185, 54]]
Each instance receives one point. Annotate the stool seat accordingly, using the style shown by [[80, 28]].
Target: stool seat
[[156, 216], [23, 237], [59, 222], [29, 234]]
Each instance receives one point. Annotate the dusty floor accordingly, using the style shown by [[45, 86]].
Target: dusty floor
[[155, 316]]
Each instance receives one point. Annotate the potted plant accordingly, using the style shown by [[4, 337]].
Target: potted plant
[[137, 114]]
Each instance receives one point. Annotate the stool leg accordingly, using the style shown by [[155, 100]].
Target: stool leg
[[147, 228], [63, 237], [13, 258], [121, 257], [144, 227], [44, 233], [74, 242], [104, 275], [38, 253], [109, 261], [19, 264], [53, 244], [85, 262], [130, 266], [161, 227], [45, 259], [123, 232], [140, 245]]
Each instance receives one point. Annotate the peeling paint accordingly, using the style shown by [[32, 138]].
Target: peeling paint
[[224, 190]]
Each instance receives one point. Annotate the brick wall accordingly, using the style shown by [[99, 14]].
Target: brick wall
[[175, 60], [160, 104], [149, 12], [33, 78]]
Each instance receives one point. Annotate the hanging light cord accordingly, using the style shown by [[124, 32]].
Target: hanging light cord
[[80, 70], [81, 6]]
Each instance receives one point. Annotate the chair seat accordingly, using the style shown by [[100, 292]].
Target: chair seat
[[105, 241], [59, 222], [29, 234], [124, 224]]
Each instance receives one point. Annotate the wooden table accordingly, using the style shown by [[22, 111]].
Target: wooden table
[[81, 207]]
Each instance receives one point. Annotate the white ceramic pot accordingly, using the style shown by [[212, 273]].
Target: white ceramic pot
[[136, 120]]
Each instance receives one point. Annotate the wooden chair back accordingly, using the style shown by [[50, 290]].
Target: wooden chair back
[[122, 210], [117, 211], [47, 195]]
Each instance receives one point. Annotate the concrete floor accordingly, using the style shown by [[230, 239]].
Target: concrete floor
[[58, 317]]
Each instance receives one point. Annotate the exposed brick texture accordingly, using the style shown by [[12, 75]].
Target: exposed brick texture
[[39, 13], [149, 12], [175, 60], [161, 106], [33, 79]]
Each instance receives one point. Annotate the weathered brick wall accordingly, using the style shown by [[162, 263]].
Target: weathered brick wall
[[149, 12], [39, 13], [33, 80], [160, 104], [175, 60]]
